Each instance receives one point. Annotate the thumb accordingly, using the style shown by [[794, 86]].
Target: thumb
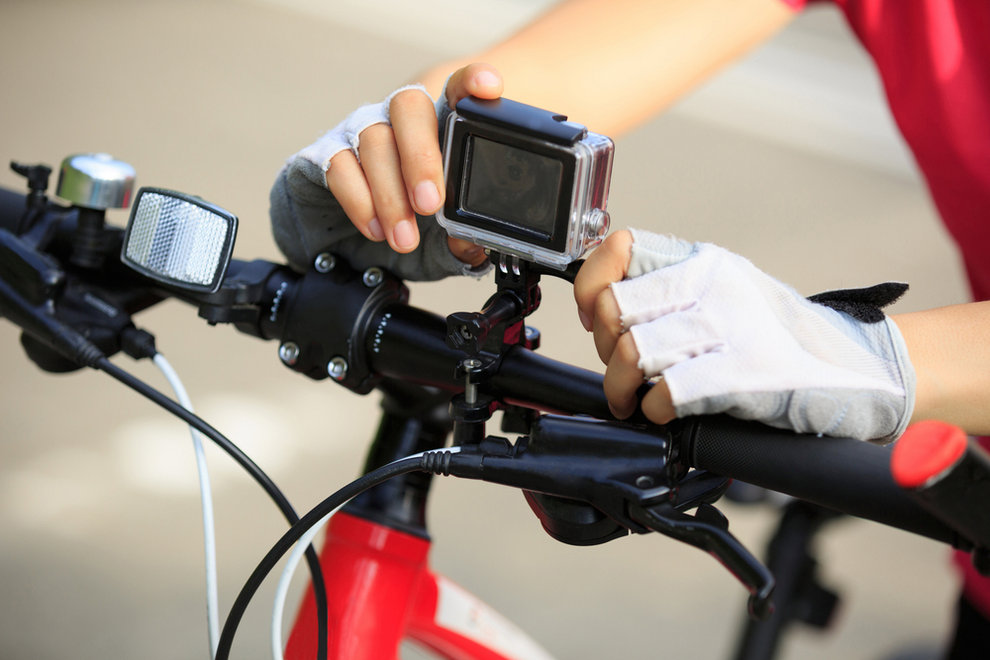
[[479, 79]]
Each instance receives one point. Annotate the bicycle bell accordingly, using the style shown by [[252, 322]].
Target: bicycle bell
[[95, 181]]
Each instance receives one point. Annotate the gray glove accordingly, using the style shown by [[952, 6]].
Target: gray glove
[[307, 220]]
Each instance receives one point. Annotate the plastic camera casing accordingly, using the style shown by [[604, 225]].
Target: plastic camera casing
[[524, 181]]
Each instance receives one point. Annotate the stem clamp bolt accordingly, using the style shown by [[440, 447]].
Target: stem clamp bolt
[[373, 277], [289, 352], [324, 262], [337, 368]]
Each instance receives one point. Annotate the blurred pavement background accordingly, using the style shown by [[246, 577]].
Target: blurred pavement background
[[788, 158]]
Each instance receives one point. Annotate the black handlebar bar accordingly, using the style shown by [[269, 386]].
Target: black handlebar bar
[[403, 342], [838, 473]]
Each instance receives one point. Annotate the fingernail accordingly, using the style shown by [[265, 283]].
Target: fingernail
[[427, 196], [375, 229], [585, 320], [404, 235], [486, 79]]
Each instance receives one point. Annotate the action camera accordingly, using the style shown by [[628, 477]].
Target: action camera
[[524, 181]]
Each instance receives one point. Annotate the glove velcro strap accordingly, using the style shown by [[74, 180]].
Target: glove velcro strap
[[864, 304]]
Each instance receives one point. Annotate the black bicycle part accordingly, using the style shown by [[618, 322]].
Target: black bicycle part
[[37, 199], [625, 474], [500, 323], [72, 316], [949, 495], [46, 294], [799, 597], [413, 420], [838, 473], [322, 332], [408, 344]]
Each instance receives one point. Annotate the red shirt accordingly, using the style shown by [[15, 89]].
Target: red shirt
[[933, 57]]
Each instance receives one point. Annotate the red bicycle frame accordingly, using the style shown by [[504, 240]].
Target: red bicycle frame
[[375, 562], [381, 590]]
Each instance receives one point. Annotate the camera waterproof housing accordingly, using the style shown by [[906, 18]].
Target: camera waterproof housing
[[524, 181]]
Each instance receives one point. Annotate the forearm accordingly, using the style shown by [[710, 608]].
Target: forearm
[[950, 350], [612, 64]]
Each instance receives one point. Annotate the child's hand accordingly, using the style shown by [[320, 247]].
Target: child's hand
[[724, 337], [396, 169]]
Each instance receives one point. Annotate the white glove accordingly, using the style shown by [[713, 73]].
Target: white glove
[[728, 338]]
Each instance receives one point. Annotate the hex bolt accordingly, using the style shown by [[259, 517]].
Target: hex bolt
[[373, 277], [289, 352], [324, 262], [470, 366], [337, 368]]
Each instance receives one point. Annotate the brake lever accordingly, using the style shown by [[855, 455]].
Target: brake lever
[[708, 530]]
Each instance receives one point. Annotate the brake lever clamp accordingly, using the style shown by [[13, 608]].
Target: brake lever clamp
[[590, 481], [604, 465]]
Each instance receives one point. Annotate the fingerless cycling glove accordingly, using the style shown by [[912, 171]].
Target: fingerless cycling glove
[[728, 338]]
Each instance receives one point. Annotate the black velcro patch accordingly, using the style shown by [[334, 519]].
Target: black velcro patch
[[862, 304]]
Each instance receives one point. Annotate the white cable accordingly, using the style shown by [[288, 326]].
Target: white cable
[[206, 499], [282, 591]]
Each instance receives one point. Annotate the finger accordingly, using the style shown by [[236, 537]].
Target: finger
[[466, 251], [380, 162], [607, 324], [657, 405], [623, 377], [607, 264], [479, 79], [414, 124], [347, 183]]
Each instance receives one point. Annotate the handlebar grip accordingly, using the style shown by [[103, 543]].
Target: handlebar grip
[[843, 474], [948, 474]]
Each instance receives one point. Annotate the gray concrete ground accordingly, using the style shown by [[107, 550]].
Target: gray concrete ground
[[788, 158]]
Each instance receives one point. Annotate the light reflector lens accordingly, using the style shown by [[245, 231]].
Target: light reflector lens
[[179, 239]]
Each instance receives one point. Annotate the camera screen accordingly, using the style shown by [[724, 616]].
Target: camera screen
[[512, 185]]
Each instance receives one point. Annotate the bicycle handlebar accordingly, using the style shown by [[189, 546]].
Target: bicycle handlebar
[[839, 473], [403, 342], [407, 343], [411, 346]]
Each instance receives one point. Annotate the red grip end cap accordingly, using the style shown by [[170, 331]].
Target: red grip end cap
[[926, 450]]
